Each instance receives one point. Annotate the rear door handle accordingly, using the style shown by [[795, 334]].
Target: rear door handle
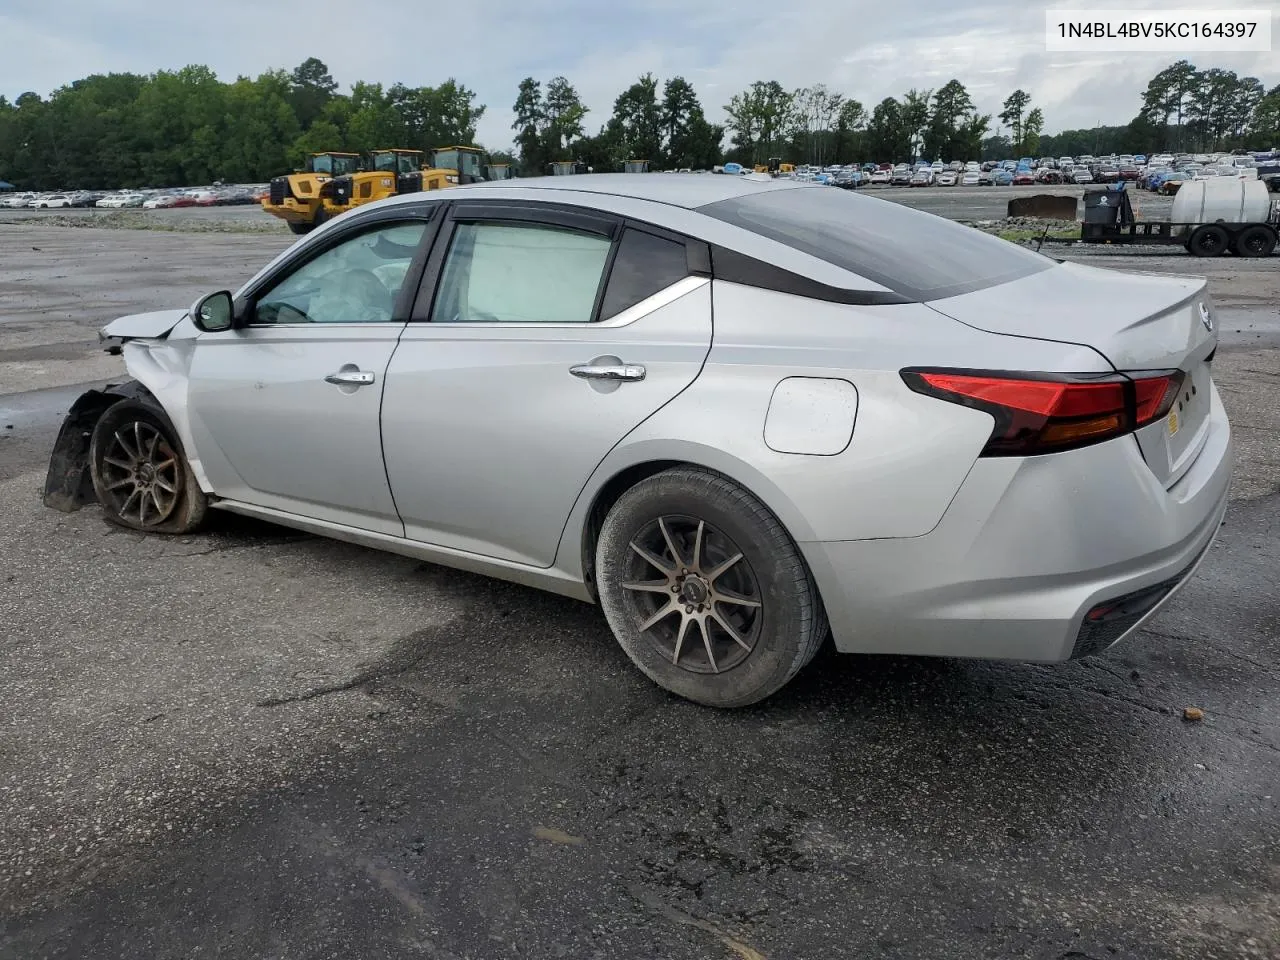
[[350, 378], [608, 371]]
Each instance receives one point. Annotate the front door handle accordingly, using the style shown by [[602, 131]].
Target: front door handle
[[350, 378], [608, 371]]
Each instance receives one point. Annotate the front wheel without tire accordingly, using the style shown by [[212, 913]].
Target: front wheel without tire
[[705, 590], [140, 472]]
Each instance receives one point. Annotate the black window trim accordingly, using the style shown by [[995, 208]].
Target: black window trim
[[397, 214], [734, 267]]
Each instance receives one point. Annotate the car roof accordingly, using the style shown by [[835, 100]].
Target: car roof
[[669, 201], [688, 190]]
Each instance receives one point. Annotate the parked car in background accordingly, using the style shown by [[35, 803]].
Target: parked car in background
[[922, 178], [1049, 176], [972, 178], [1171, 184], [54, 201], [881, 177], [1002, 177], [986, 178], [1129, 171], [1106, 173], [16, 200], [117, 200], [1023, 178], [1081, 175], [902, 176], [947, 178]]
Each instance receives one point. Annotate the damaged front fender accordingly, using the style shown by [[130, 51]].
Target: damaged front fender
[[68, 485]]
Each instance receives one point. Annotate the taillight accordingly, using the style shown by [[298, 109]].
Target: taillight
[[1044, 413]]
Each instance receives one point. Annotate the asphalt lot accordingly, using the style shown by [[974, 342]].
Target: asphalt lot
[[254, 743]]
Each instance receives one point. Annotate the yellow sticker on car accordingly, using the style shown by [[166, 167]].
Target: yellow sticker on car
[[1173, 423]]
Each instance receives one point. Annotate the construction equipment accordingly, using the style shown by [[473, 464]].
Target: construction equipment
[[635, 166], [774, 167], [295, 198], [337, 182]]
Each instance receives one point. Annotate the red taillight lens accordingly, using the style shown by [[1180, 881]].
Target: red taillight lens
[[1154, 395], [1044, 413]]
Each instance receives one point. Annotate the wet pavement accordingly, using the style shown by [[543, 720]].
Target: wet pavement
[[256, 743]]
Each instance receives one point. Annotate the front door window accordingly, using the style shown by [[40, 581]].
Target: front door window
[[356, 281]]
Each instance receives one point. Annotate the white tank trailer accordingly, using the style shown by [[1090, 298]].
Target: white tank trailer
[[1209, 218]]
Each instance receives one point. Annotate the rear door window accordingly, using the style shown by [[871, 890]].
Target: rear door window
[[644, 265], [914, 254]]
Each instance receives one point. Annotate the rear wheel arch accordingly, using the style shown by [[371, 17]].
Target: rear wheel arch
[[624, 478]]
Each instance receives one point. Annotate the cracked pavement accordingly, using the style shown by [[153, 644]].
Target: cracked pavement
[[255, 743]]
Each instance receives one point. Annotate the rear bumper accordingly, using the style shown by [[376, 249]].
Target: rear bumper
[[1026, 550]]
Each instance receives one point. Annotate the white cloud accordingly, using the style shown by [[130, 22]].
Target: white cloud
[[862, 48]]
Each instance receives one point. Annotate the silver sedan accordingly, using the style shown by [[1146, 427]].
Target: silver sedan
[[742, 414]]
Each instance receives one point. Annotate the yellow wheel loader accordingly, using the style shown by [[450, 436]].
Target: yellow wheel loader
[[329, 188], [295, 198]]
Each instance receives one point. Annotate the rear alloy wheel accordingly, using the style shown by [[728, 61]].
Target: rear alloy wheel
[[1255, 241], [705, 590], [140, 472], [1209, 240]]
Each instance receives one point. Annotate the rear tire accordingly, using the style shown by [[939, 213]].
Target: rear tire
[[1255, 241], [1209, 240], [300, 228], [140, 471], [719, 608]]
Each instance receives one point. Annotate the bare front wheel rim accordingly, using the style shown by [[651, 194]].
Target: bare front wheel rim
[[692, 594], [140, 474]]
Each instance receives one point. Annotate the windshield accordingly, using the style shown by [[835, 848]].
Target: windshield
[[332, 164], [881, 240], [390, 161], [464, 161]]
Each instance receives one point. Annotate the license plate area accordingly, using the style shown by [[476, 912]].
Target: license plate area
[[1185, 422]]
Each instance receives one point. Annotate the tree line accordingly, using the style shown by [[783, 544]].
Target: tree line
[[183, 127], [187, 126]]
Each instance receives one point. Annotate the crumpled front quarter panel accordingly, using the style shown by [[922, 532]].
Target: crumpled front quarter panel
[[164, 368]]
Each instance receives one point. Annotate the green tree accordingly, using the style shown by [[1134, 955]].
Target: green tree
[[1014, 114], [564, 113], [847, 140], [759, 119], [310, 88], [1032, 127], [945, 136], [1167, 96], [915, 118], [1264, 126], [690, 140], [531, 119], [635, 130], [888, 137]]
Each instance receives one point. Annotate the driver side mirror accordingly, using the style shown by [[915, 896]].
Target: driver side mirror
[[214, 312]]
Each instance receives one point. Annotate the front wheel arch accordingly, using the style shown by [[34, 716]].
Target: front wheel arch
[[68, 485]]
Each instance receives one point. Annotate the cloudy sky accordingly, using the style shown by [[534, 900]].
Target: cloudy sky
[[868, 49]]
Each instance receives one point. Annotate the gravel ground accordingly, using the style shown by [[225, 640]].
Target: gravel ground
[[254, 743]]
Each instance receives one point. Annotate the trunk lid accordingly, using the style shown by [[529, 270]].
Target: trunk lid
[[1138, 322]]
